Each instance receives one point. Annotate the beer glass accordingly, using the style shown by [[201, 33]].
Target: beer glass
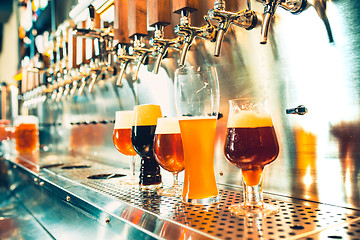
[[251, 144], [26, 134], [142, 136], [122, 138], [197, 104], [169, 152]]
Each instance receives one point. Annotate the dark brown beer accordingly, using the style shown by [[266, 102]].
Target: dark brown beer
[[251, 148], [169, 152], [142, 141]]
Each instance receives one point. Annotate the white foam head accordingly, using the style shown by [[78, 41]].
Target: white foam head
[[146, 114], [167, 126], [249, 119], [124, 119]]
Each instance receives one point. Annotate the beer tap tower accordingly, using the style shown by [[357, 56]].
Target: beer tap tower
[[121, 34], [159, 17], [245, 18], [207, 32], [138, 31]]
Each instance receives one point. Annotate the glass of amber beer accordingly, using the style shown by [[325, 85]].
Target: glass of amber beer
[[26, 134], [197, 104], [169, 152], [251, 144], [142, 136], [122, 138]]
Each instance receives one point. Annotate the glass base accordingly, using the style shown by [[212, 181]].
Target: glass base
[[202, 201], [151, 187], [244, 210], [170, 192]]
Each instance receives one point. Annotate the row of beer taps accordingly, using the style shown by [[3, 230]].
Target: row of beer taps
[[123, 44]]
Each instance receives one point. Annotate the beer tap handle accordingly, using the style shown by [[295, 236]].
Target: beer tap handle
[[92, 16], [159, 17]]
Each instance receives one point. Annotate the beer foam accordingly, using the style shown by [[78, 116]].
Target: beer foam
[[146, 115], [249, 119], [167, 126], [124, 119]]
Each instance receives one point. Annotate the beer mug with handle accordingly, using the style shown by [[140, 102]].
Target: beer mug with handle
[[197, 100]]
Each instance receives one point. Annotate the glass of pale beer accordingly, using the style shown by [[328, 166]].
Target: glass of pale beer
[[122, 139], [169, 152], [251, 144], [142, 136], [197, 100]]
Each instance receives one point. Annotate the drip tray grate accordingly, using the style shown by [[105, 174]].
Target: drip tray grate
[[294, 218]]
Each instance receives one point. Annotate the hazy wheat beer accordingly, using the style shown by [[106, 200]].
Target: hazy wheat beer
[[26, 134], [122, 132], [168, 146], [142, 135], [251, 143], [198, 138]]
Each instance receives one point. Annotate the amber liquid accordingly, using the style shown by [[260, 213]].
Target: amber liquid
[[169, 152], [26, 138], [142, 141], [251, 149], [122, 141], [198, 138]]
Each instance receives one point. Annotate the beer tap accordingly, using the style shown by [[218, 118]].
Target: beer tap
[[270, 6], [138, 31], [121, 37], [184, 29], [245, 18], [104, 39], [159, 17]]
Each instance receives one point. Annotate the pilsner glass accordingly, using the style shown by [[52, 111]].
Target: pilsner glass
[[122, 138], [251, 144], [169, 152], [197, 103], [142, 136]]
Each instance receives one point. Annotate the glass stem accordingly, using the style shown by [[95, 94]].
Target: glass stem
[[176, 180], [132, 167], [253, 195]]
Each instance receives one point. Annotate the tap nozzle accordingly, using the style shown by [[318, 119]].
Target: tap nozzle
[[141, 54], [270, 6], [245, 18], [188, 32], [124, 58], [162, 45]]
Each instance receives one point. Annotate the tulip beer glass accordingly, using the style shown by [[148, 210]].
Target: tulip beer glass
[[122, 138], [251, 144], [197, 104], [169, 151], [142, 136]]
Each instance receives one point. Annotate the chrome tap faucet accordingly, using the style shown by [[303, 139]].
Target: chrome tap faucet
[[141, 54], [245, 18], [270, 6], [189, 33], [124, 58], [162, 45]]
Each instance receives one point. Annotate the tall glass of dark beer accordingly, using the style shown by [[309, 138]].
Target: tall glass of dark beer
[[142, 136], [197, 100], [122, 139], [251, 144], [169, 152]]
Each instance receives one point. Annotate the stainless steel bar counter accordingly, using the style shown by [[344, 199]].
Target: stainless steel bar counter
[[69, 196]]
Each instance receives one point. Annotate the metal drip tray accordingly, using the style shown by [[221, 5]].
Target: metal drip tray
[[169, 218]]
